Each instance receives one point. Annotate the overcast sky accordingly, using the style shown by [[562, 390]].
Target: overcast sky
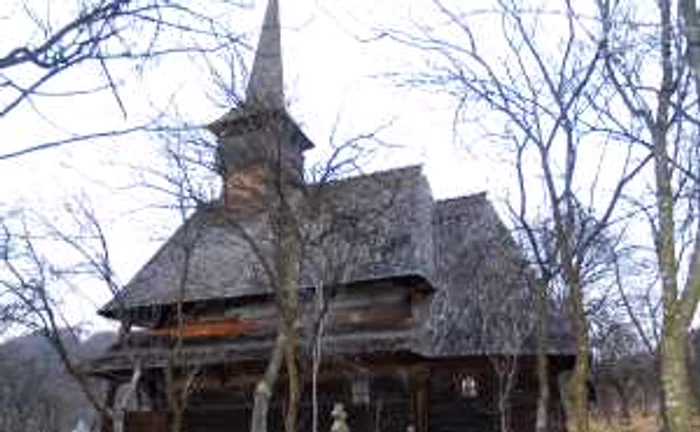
[[333, 76], [337, 74]]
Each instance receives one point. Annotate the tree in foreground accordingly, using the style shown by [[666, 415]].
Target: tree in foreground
[[535, 93], [659, 90]]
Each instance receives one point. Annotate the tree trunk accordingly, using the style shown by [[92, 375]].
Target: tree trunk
[[564, 223], [542, 419], [579, 378], [121, 405], [294, 391], [317, 357], [263, 391], [315, 368], [505, 369], [674, 377], [674, 373], [691, 29], [288, 263], [107, 415], [176, 420]]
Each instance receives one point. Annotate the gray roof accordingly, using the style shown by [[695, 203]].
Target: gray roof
[[360, 229], [484, 303], [378, 226], [266, 83]]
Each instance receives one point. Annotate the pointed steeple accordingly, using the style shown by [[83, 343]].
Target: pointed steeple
[[259, 142], [266, 83]]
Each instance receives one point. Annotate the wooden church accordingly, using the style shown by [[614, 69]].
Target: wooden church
[[414, 313]]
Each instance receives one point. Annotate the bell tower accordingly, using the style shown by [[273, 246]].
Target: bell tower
[[260, 146]]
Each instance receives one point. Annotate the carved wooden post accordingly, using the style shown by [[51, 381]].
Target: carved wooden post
[[420, 392]]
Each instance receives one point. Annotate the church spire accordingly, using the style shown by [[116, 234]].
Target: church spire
[[259, 142], [266, 83]]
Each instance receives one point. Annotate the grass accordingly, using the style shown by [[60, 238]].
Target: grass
[[640, 423]]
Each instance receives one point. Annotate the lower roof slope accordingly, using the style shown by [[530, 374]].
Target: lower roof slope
[[375, 227], [363, 228]]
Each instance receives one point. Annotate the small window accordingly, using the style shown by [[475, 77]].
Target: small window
[[466, 385]]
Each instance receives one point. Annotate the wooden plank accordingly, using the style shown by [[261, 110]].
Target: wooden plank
[[263, 321], [146, 421], [420, 393], [211, 328], [371, 316]]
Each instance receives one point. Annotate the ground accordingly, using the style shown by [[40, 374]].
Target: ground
[[640, 423]]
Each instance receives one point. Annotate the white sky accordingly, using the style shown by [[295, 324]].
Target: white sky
[[330, 77]]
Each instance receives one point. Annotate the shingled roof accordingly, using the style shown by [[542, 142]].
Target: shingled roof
[[483, 303], [369, 227], [386, 225], [363, 230]]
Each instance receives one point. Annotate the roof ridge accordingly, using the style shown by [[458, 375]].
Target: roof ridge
[[471, 196], [374, 174]]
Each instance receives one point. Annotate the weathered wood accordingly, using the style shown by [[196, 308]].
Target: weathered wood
[[243, 188], [263, 391], [420, 393], [146, 421], [423, 394], [369, 317], [122, 401], [210, 328]]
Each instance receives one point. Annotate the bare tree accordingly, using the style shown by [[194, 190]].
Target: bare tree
[[662, 118], [91, 42], [34, 280], [538, 104], [290, 224], [33, 283], [627, 376]]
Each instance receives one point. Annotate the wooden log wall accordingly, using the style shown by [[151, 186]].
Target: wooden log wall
[[146, 421], [434, 397], [384, 308], [452, 409], [388, 407]]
